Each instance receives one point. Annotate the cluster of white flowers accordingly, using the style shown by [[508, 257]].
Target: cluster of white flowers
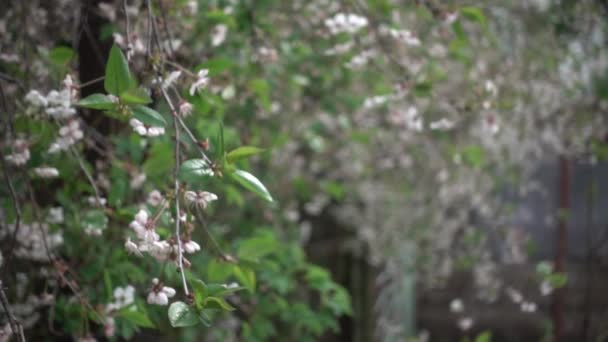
[[69, 134], [149, 241], [57, 104], [456, 305], [201, 198], [442, 125], [218, 35], [145, 130], [154, 198], [359, 60], [517, 298], [172, 78], [345, 22], [546, 288], [136, 44], [202, 80], [20, 152], [31, 240], [46, 172], [160, 294], [465, 323], [405, 36], [123, 297], [137, 180], [27, 311], [266, 54], [191, 247], [185, 109], [339, 49], [409, 119], [55, 215]]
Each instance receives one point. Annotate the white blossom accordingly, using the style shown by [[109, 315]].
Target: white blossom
[[442, 125], [528, 307], [345, 22], [132, 248], [218, 35], [456, 305], [138, 180], [46, 172], [465, 323], [109, 328], [154, 198], [191, 247], [55, 215], [185, 109], [20, 153], [173, 76], [69, 134], [201, 81], [36, 99], [123, 297], [515, 295], [160, 294], [405, 36], [201, 198], [546, 288], [145, 130]]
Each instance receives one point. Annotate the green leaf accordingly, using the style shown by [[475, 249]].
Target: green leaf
[[135, 95], [558, 280], [474, 155], [242, 153], [246, 277], [192, 170], [61, 55], [118, 78], [485, 336], [422, 89], [217, 303], [251, 183], [473, 14], [221, 290], [97, 101], [200, 292], [257, 247], [136, 317], [182, 315], [95, 219], [261, 89], [148, 116]]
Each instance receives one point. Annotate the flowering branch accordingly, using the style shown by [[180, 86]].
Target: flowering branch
[[16, 327]]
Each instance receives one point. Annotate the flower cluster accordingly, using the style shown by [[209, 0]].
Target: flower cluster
[[145, 130], [160, 294], [201, 81], [57, 104], [123, 297], [33, 239], [20, 153], [345, 22], [201, 198], [69, 134]]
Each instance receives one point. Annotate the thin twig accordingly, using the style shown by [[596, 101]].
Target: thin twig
[[177, 209], [163, 13], [13, 193], [200, 218], [128, 29], [15, 325], [88, 175], [93, 81]]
